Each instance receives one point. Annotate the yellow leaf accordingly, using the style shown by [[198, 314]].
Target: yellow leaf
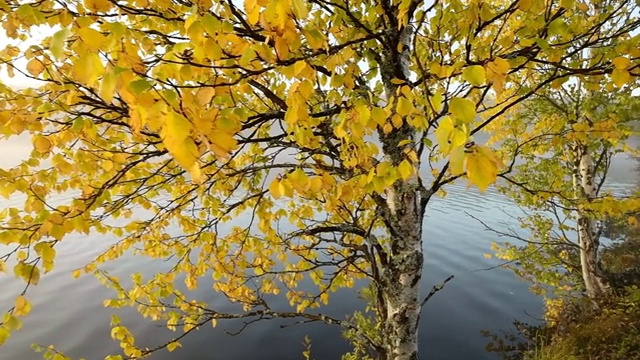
[[499, 66], [252, 9], [525, 5], [298, 67], [299, 179], [98, 5], [175, 136], [173, 345], [108, 86], [11, 322], [223, 143], [324, 297], [286, 188], [482, 167], [456, 161], [4, 334], [300, 9], [21, 307], [88, 68], [315, 184], [42, 144], [107, 165], [47, 254], [475, 75], [436, 101], [340, 131], [406, 169], [621, 63], [35, 67], [397, 121], [205, 95], [379, 115], [620, 77], [177, 127], [276, 189], [196, 173], [459, 136], [463, 109], [443, 132], [93, 38], [404, 107]]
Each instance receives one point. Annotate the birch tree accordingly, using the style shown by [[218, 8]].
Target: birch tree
[[569, 137], [329, 125]]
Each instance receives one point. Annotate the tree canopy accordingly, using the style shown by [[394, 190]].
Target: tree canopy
[[329, 125], [556, 129]]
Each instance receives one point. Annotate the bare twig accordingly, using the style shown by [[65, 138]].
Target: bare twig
[[435, 289]]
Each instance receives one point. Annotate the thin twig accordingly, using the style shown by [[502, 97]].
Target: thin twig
[[435, 289]]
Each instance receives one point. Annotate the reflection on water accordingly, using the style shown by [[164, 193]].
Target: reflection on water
[[69, 313]]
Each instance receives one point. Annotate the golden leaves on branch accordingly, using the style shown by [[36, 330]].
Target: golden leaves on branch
[[480, 163], [87, 69], [176, 136], [620, 74], [496, 72]]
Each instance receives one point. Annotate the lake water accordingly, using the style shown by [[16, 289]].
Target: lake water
[[69, 313]]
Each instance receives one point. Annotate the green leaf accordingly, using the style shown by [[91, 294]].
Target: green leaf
[[463, 109], [139, 86], [58, 41], [558, 27], [475, 75]]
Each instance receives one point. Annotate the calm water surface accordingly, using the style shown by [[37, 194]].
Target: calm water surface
[[69, 313]]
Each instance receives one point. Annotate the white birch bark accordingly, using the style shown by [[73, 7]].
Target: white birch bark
[[583, 181], [399, 287]]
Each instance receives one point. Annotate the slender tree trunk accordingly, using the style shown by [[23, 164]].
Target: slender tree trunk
[[403, 210], [400, 288], [595, 281]]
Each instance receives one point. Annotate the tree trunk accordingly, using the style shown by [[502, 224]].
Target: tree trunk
[[595, 281], [399, 282], [400, 288]]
